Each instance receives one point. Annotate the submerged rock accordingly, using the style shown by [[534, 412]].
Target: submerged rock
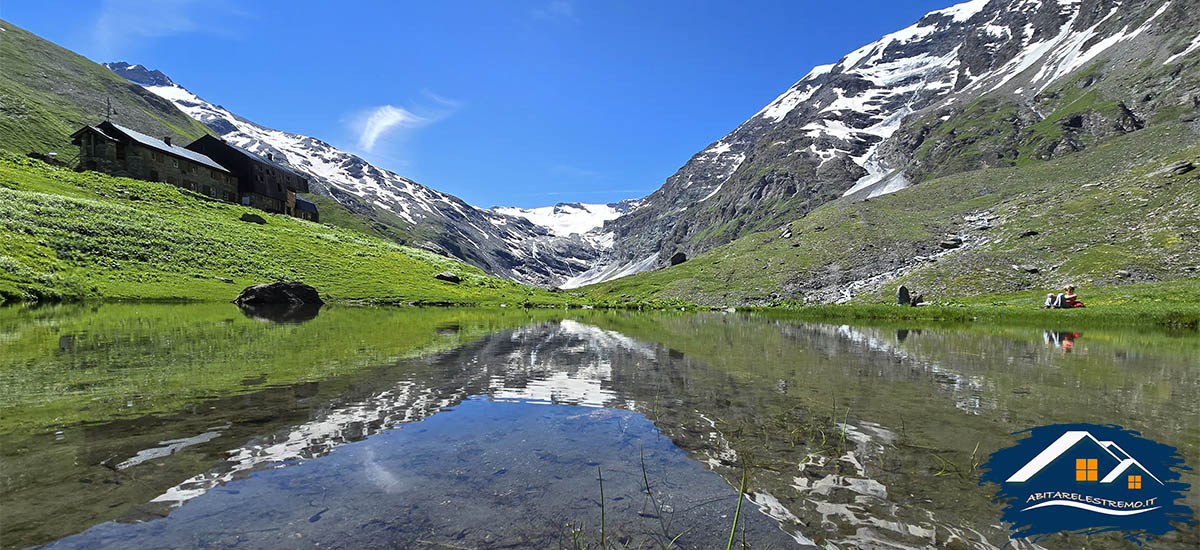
[[279, 293]]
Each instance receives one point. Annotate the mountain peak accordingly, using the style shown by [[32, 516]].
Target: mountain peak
[[140, 74]]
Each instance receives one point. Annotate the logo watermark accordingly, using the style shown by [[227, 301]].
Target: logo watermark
[[1089, 478]]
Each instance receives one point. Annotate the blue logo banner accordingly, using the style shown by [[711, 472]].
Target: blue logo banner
[[1089, 478]]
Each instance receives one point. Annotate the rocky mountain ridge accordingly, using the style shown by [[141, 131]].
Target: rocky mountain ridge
[[505, 245], [983, 83]]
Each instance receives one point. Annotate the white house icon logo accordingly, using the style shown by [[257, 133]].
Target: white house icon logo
[[1091, 457], [1089, 478]]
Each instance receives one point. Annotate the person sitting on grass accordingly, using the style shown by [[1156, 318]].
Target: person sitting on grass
[[1065, 299]]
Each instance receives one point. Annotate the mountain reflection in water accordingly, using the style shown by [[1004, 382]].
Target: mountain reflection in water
[[855, 436]]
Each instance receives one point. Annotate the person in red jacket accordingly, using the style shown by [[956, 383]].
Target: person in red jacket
[[1066, 299]]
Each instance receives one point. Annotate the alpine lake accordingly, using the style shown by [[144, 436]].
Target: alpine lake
[[205, 426]]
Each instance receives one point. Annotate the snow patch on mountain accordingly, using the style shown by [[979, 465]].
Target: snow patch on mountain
[[568, 218], [608, 272], [1195, 45], [964, 11]]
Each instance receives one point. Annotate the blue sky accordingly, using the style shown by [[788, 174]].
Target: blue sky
[[522, 103]]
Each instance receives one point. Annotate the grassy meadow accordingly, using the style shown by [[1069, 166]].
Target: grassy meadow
[[71, 236]]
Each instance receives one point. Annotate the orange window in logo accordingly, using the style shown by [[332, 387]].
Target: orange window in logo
[[1135, 482], [1086, 469]]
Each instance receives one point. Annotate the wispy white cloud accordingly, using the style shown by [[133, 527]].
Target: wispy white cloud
[[563, 10], [125, 24], [376, 123]]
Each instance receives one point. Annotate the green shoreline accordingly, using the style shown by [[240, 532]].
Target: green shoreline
[[1181, 316], [1173, 304]]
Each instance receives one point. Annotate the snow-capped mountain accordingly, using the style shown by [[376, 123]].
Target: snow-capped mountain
[[510, 246], [856, 126], [982, 83], [568, 218]]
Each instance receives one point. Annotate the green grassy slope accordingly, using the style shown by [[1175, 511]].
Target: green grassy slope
[[1102, 217], [47, 92], [69, 235], [376, 222], [1077, 112]]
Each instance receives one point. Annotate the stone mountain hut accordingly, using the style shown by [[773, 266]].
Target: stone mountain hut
[[209, 165], [262, 182], [120, 151]]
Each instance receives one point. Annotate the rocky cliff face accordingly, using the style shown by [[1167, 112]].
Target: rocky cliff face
[[505, 245], [984, 83]]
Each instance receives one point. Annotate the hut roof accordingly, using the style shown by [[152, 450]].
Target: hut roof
[[264, 160], [160, 145], [93, 129], [305, 204]]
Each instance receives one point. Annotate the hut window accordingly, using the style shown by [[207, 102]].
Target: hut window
[[175, 163]]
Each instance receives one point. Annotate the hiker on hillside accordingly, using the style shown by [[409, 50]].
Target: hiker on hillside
[[1065, 299]]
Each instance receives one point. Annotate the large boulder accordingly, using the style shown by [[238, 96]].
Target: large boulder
[[448, 277], [678, 258], [279, 293], [253, 218], [1180, 168], [952, 242]]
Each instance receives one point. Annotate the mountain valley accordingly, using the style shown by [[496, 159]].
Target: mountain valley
[[980, 86]]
